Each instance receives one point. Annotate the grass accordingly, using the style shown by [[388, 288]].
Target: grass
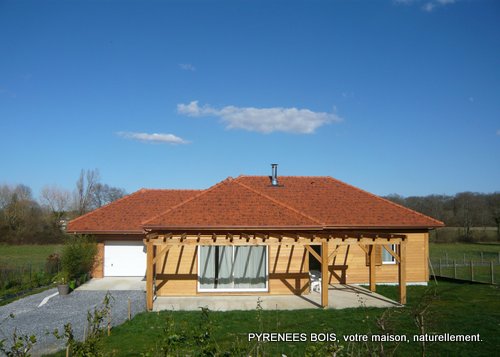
[[21, 255], [456, 309], [23, 270], [463, 254]]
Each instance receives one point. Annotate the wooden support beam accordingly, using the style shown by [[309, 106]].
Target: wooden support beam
[[314, 254], [363, 247], [324, 274], [402, 272], [161, 253], [149, 276], [333, 255], [373, 278], [391, 252]]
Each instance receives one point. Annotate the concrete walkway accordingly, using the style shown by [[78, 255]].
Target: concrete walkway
[[339, 297], [114, 283]]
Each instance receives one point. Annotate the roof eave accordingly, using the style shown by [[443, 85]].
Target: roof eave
[[93, 231], [232, 228]]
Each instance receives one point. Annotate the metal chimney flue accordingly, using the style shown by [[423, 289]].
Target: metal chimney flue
[[274, 175]]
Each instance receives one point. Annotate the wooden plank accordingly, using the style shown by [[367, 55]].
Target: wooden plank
[[149, 277], [372, 273], [324, 275], [402, 272], [314, 254]]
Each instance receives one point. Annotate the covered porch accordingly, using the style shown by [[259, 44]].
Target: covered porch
[[340, 296], [158, 245]]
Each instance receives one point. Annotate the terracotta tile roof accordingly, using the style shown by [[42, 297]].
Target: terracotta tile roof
[[127, 213], [231, 205], [251, 202], [337, 204]]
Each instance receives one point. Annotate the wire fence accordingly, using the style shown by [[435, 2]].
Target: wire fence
[[469, 270], [16, 280]]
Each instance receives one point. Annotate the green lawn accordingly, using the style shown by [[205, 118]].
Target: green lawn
[[461, 254], [472, 251], [457, 309], [21, 255]]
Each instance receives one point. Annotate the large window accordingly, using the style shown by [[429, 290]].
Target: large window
[[229, 268], [387, 257]]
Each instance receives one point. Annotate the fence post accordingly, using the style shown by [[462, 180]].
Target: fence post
[[492, 274], [482, 258], [454, 269], [471, 270], [446, 257], [440, 271], [464, 258]]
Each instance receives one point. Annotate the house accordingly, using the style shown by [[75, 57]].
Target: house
[[259, 235]]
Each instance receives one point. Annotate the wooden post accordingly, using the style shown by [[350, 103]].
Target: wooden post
[[446, 257], [492, 273], [471, 270], [454, 269], [129, 310], [464, 258], [149, 276], [373, 284], [440, 270], [324, 274], [482, 257], [402, 272]]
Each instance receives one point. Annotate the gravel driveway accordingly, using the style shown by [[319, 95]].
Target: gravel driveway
[[59, 310]]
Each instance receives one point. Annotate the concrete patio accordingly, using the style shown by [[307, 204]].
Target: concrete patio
[[339, 296]]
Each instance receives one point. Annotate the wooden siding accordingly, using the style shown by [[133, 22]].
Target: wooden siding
[[98, 268], [349, 266]]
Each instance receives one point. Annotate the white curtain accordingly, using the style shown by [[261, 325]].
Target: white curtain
[[228, 267], [250, 267]]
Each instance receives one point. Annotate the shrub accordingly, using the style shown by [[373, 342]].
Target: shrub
[[78, 256]]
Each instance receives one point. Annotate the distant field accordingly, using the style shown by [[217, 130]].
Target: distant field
[[456, 251], [20, 255]]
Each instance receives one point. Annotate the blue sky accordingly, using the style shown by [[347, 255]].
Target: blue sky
[[390, 96]]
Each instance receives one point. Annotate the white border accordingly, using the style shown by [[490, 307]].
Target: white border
[[199, 289]]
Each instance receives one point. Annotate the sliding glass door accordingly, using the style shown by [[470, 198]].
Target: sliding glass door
[[232, 268]]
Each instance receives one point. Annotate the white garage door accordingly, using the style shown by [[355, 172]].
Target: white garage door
[[124, 259]]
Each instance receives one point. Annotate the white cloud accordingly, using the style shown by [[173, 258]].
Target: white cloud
[[429, 6], [187, 67], [153, 138], [263, 120]]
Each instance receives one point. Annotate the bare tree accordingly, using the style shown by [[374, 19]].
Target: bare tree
[[104, 194], [85, 187], [57, 199]]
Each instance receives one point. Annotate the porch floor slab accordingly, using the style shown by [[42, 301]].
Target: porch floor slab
[[340, 296], [115, 283]]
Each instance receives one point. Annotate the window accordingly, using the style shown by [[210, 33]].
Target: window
[[387, 257], [232, 268]]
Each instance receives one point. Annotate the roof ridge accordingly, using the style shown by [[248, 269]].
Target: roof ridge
[[106, 205], [279, 202], [228, 179], [386, 200]]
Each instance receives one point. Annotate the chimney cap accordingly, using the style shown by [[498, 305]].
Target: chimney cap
[[274, 175]]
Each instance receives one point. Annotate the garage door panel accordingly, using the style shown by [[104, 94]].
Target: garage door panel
[[124, 259]]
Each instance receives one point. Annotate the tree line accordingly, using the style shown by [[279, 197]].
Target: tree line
[[465, 209], [24, 219]]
